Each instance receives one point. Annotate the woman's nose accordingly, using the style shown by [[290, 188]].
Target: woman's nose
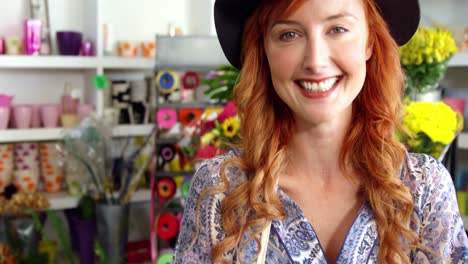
[[316, 54]]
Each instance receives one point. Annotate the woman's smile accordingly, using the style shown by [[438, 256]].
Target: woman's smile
[[318, 88]]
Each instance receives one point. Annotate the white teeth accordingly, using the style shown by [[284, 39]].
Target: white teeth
[[320, 86]]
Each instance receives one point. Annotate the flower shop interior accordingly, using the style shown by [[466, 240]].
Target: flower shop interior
[[107, 107]]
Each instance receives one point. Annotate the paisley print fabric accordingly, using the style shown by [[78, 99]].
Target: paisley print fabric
[[293, 240]]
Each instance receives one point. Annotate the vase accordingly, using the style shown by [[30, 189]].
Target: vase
[[83, 233], [112, 231], [430, 96], [22, 235]]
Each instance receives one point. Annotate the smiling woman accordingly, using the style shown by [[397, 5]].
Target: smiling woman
[[319, 176]]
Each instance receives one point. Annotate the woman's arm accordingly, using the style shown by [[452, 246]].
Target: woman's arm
[[192, 247], [442, 229]]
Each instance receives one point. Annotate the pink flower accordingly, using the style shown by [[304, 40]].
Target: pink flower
[[229, 110], [206, 152]]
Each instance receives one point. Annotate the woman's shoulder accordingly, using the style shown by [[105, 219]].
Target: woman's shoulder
[[425, 177], [209, 172]]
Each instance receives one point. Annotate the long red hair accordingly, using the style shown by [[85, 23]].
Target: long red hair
[[267, 126]]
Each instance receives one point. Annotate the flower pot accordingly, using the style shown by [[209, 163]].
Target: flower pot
[[83, 233], [112, 231], [21, 233], [430, 96]]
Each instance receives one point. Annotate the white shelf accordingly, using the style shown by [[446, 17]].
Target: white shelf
[[463, 140], [47, 134], [459, 60], [63, 200], [47, 62], [127, 63], [74, 62], [132, 130]]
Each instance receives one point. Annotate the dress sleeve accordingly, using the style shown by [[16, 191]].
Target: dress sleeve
[[442, 228], [190, 247]]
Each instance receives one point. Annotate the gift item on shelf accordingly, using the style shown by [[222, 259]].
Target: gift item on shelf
[[32, 36], [5, 110], [27, 167], [69, 42], [40, 11], [465, 41], [167, 83], [127, 49], [2, 46], [165, 256], [35, 116], [13, 45], [4, 116], [121, 101], [148, 49], [6, 165], [190, 81], [22, 116], [139, 101], [51, 166], [49, 115], [87, 48], [70, 101]]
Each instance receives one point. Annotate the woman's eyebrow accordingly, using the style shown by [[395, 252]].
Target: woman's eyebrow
[[341, 15]]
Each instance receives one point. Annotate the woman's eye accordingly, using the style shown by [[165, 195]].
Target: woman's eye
[[339, 30], [288, 35]]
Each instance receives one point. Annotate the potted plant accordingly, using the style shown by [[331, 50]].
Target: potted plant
[[424, 59]]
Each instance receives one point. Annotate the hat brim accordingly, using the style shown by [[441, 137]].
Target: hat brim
[[230, 16]]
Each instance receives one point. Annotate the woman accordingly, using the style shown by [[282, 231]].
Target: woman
[[319, 176]]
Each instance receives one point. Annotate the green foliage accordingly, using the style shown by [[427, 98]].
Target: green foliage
[[422, 78], [87, 206], [221, 82], [60, 229]]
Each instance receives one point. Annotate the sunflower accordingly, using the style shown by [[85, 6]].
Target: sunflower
[[231, 126]]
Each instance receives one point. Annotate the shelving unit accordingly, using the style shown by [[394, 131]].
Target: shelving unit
[[74, 62], [63, 200], [463, 140], [49, 134]]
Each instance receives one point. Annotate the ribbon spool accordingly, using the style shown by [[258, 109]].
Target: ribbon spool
[[185, 189], [190, 80], [190, 116], [166, 188], [167, 82], [167, 152], [165, 257], [168, 226], [166, 118]]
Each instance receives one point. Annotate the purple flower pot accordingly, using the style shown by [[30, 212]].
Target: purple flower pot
[[69, 42], [83, 234]]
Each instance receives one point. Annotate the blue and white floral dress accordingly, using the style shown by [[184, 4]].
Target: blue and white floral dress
[[293, 240]]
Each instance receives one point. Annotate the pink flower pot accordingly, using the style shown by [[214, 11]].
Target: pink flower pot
[[36, 116], [4, 117], [49, 115], [22, 115]]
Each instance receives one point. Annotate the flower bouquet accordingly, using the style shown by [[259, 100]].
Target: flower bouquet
[[430, 127], [219, 130], [424, 59]]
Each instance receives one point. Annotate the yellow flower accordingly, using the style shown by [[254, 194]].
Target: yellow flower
[[231, 126], [207, 138], [437, 120], [428, 45]]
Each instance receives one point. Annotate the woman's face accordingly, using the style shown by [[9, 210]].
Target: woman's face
[[317, 58]]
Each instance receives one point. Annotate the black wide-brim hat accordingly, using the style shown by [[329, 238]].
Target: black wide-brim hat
[[402, 17]]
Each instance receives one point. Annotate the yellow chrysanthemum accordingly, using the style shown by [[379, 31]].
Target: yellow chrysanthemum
[[437, 120], [231, 126], [428, 45]]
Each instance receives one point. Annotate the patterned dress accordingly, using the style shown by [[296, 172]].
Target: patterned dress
[[293, 240]]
